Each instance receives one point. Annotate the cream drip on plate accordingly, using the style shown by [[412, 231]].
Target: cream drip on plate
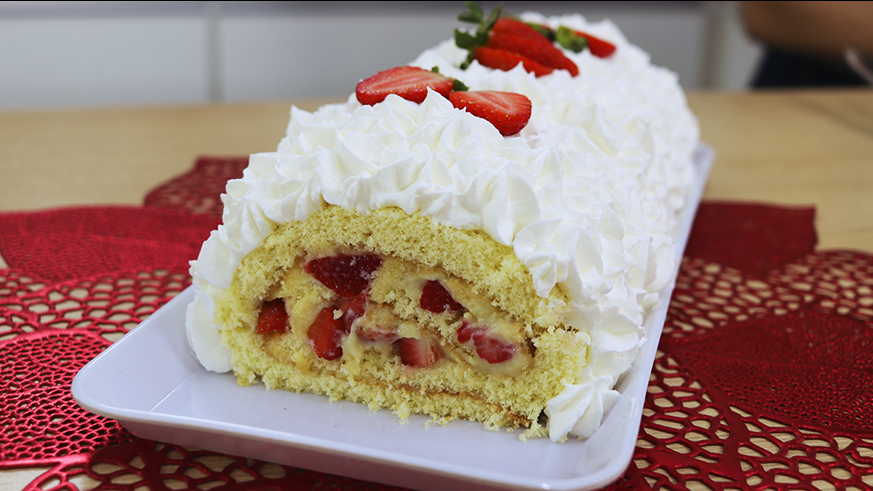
[[587, 194]]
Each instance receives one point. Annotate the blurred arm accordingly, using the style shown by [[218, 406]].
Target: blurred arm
[[817, 28]]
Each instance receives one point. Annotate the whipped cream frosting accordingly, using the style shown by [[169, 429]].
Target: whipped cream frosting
[[587, 194]]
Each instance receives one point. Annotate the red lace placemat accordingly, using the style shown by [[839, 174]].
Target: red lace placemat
[[764, 376]]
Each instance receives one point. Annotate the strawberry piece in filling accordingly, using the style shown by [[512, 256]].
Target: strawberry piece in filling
[[377, 334], [419, 352], [273, 317], [435, 298], [489, 346], [347, 275], [352, 307], [326, 334]]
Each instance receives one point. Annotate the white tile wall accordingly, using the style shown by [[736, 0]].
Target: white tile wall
[[102, 60], [313, 55], [733, 56], [59, 54]]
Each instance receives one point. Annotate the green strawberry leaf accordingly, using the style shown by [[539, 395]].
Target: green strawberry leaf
[[481, 38], [465, 40], [457, 85], [491, 20], [469, 17], [470, 42], [569, 40], [475, 10]]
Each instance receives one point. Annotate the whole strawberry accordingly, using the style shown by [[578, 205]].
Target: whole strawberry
[[507, 60], [530, 47], [577, 41], [538, 49]]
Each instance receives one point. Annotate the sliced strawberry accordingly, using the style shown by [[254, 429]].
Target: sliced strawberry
[[325, 335], [598, 47], [540, 50], [465, 332], [577, 41], [507, 111], [273, 317], [419, 352], [377, 334], [435, 298], [506, 60], [408, 82], [490, 347], [352, 307], [347, 275]]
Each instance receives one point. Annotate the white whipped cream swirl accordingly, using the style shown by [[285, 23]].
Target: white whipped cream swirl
[[587, 194]]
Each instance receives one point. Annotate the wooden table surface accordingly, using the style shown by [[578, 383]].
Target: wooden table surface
[[794, 147], [797, 147]]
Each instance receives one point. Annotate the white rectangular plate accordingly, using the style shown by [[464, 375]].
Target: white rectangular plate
[[153, 385]]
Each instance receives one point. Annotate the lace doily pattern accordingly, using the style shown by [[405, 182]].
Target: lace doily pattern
[[141, 464], [74, 243], [763, 377], [763, 384]]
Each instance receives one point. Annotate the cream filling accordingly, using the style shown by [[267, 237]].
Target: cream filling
[[383, 323]]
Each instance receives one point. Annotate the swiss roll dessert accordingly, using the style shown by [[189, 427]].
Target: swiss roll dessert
[[478, 235]]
